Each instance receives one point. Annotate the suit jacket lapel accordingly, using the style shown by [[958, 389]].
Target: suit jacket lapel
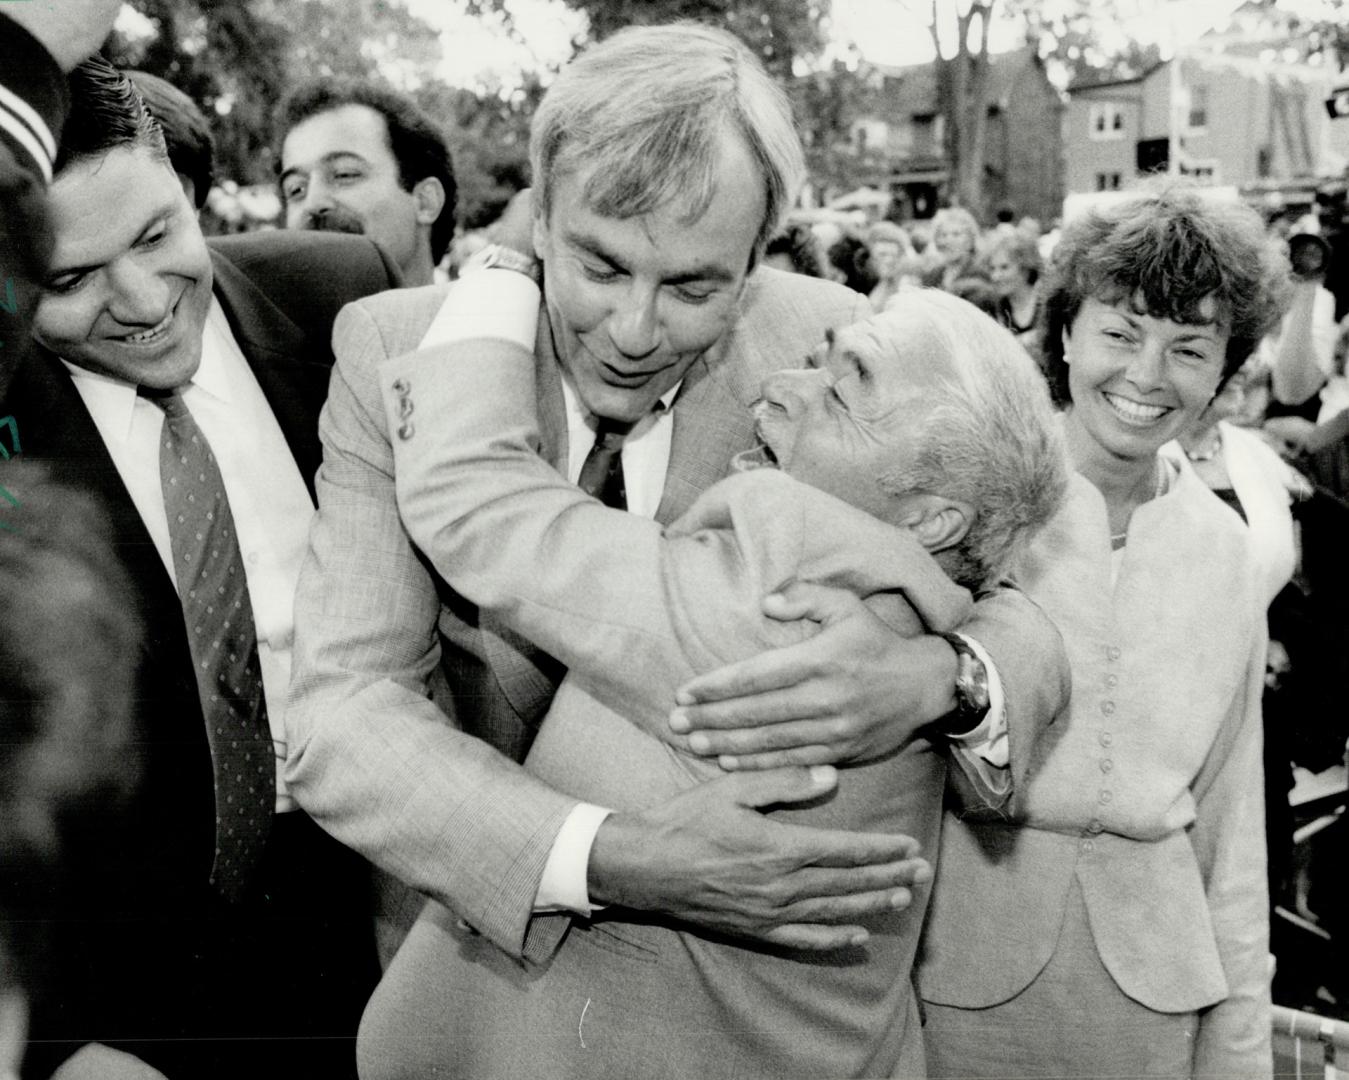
[[712, 420], [552, 406], [280, 354]]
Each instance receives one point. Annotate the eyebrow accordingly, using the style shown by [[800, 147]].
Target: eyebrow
[[710, 272]]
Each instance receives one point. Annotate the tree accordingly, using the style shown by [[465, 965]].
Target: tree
[[962, 91], [785, 34], [238, 58]]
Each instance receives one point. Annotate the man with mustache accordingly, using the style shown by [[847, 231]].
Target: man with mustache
[[359, 158]]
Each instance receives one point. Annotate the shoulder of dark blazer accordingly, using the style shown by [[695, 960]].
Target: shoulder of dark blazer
[[311, 276]]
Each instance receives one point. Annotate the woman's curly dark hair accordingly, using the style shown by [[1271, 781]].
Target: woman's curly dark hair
[[1169, 252]]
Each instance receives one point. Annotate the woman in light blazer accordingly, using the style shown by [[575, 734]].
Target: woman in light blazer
[[1116, 924]]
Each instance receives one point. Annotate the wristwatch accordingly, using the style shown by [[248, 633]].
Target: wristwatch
[[506, 258], [971, 691]]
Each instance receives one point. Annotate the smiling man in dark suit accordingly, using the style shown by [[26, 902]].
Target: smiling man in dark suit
[[216, 931]]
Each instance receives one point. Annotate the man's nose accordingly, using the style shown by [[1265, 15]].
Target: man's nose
[[318, 199], [140, 295], [634, 325], [795, 388]]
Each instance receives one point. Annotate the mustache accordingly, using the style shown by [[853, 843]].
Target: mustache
[[338, 221]]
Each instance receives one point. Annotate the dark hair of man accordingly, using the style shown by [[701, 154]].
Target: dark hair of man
[[416, 142], [1172, 253], [106, 112], [186, 133]]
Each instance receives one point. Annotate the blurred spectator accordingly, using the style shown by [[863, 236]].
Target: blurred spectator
[[1013, 264], [1300, 353], [848, 256], [892, 261], [979, 292], [68, 649], [357, 157], [186, 134], [795, 249], [955, 248]]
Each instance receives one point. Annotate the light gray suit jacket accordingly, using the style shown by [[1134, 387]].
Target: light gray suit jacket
[[636, 609], [398, 752]]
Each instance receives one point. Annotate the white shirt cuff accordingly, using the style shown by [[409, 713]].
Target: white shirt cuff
[[984, 749], [563, 885], [487, 303]]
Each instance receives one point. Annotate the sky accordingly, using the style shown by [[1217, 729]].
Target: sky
[[883, 31]]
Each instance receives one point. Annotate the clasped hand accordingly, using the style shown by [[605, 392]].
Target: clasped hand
[[853, 692]]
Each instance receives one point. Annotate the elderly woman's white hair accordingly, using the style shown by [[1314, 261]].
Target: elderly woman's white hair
[[993, 441], [645, 110]]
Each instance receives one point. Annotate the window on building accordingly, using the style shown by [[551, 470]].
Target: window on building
[[1107, 181], [1198, 117], [1106, 120], [1204, 171]]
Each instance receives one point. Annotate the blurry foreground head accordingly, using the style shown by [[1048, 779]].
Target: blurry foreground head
[[929, 416], [68, 651]]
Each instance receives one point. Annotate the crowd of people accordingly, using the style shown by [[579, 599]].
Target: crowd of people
[[673, 639]]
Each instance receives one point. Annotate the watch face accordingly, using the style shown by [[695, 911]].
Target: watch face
[[972, 683]]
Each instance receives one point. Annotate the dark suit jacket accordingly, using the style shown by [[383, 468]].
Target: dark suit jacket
[[146, 953]]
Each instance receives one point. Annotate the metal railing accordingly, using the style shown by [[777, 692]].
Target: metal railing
[[1308, 1047]]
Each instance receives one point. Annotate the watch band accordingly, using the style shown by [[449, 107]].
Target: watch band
[[971, 690], [498, 256]]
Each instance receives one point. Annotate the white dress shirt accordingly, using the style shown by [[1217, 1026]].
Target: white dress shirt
[[504, 304], [267, 495]]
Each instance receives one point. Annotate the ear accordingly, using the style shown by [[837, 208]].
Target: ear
[[937, 522], [429, 197]]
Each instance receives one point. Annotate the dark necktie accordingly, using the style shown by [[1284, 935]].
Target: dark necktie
[[223, 642], [602, 472]]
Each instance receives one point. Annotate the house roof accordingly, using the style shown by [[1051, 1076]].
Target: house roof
[[1101, 84]]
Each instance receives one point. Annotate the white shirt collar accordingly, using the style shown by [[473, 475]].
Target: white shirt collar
[[116, 398]]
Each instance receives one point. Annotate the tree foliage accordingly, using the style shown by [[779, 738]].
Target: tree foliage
[[783, 33], [239, 58]]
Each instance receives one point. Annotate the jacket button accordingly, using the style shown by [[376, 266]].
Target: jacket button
[[1108, 707], [1111, 681], [405, 432], [400, 386], [1112, 653], [1106, 796], [1095, 827], [1106, 738], [404, 407]]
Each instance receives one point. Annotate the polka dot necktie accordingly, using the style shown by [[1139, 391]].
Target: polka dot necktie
[[602, 470], [224, 646]]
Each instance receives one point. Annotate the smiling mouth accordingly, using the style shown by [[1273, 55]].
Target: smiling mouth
[[154, 333], [1135, 412]]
